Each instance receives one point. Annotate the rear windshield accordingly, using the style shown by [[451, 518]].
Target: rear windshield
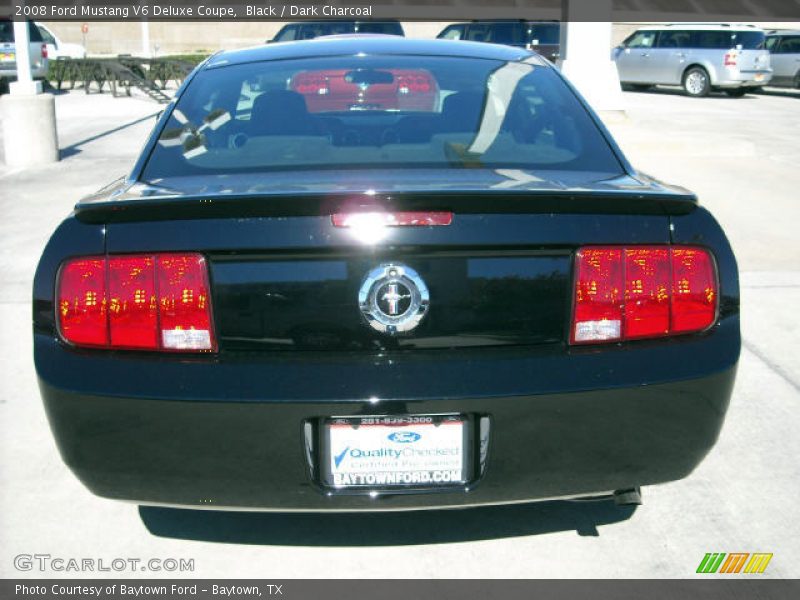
[[365, 112], [748, 40]]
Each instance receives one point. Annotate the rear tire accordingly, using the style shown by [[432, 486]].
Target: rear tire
[[696, 82]]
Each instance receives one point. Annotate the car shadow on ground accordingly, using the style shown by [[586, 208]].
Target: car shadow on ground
[[383, 529], [780, 92], [676, 91]]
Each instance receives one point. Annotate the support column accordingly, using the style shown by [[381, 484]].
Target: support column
[[586, 53], [22, 46], [146, 52]]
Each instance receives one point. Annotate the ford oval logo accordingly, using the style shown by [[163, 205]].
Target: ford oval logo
[[404, 437]]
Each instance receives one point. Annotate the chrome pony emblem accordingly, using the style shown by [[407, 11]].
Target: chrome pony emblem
[[393, 298]]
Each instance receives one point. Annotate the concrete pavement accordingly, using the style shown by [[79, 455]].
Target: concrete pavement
[[740, 155]]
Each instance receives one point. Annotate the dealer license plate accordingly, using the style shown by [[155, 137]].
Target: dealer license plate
[[7, 56], [759, 77], [418, 451]]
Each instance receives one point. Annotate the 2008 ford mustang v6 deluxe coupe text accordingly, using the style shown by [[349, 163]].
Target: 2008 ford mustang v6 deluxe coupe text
[[372, 273]]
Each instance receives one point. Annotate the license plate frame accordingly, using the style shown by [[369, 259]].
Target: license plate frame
[[384, 425]]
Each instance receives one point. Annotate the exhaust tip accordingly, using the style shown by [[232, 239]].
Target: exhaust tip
[[628, 497]]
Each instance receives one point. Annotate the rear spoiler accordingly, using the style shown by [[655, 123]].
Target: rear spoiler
[[154, 208]]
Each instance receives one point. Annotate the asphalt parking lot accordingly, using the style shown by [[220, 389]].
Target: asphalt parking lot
[[740, 155]]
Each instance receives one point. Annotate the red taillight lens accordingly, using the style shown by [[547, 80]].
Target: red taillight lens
[[133, 314], [624, 293], [184, 302], [44, 51], [731, 58], [310, 83], [82, 302], [694, 290], [598, 295], [647, 282], [415, 84], [144, 302], [393, 219]]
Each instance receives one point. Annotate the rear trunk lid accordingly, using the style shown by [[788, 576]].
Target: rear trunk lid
[[749, 51], [284, 278], [753, 60]]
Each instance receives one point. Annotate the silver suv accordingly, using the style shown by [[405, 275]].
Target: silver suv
[[784, 48], [699, 58], [8, 52]]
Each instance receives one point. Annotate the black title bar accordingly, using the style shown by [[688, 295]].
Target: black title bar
[[427, 10]]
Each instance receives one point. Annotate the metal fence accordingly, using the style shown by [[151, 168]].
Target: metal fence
[[123, 73]]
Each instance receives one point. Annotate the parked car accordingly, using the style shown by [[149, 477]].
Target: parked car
[[784, 48], [540, 36], [476, 301], [308, 30], [331, 90], [700, 58], [58, 49], [8, 52]]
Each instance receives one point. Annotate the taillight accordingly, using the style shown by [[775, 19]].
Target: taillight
[[138, 302], [694, 290], [132, 306], [414, 83], [310, 83], [634, 292], [44, 51], [598, 295], [731, 58], [647, 292], [82, 302], [184, 302]]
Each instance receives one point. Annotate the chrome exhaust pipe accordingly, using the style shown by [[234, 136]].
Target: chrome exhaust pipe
[[628, 497]]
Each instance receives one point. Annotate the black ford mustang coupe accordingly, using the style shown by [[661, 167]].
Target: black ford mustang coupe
[[373, 273]]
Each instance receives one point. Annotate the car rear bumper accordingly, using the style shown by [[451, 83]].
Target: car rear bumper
[[10, 72], [231, 434], [738, 79]]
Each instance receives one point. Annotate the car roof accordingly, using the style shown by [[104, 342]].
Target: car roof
[[778, 32], [369, 44], [701, 27]]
